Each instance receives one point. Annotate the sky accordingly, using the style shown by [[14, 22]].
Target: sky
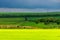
[[30, 4]]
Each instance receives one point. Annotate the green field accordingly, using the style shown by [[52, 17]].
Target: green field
[[26, 34], [21, 22], [18, 18]]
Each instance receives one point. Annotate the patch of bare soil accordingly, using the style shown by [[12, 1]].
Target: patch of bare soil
[[16, 27]]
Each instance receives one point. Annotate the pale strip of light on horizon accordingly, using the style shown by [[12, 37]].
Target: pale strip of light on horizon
[[28, 10]]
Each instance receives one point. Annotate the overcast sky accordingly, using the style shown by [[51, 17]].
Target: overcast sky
[[30, 4]]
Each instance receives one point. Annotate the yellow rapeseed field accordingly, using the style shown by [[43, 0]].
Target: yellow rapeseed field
[[29, 34]]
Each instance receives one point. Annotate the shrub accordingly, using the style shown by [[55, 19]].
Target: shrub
[[46, 23], [47, 20]]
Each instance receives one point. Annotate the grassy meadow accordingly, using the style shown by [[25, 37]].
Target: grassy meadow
[[21, 22], [30, 34], [29, 19]]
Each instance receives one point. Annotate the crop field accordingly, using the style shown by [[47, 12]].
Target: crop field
[[42, 20], [29, 34], [20, 22]]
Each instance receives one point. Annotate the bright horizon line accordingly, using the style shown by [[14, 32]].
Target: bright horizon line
[[28, 10]]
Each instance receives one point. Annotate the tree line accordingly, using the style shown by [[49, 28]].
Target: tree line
[[48, 20], [28, 15]]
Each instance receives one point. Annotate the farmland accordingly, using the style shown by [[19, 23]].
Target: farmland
[[30, 34], [30, 19]]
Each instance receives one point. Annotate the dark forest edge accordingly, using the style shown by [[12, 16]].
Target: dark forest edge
[[27, 14]]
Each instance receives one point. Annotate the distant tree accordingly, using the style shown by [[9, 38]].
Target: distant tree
[[46, 23], [58, 21], [36, 22], [26, 18]]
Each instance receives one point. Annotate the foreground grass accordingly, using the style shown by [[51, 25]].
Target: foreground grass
[[26, 34]]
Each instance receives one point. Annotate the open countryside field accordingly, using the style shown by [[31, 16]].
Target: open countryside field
[[42, 20], [28, 34], [20, 22]]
